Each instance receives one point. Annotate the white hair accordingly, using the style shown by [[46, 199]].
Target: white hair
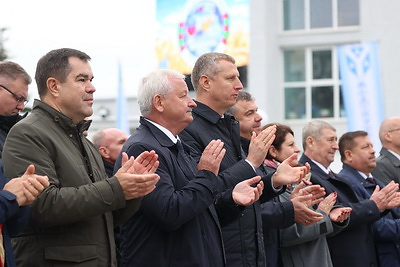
[[156, 82]]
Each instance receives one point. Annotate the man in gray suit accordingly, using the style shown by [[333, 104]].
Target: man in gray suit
[[388, 162]]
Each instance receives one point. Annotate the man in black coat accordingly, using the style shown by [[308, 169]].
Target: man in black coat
[[275, 214], [354, 246], [177, 224], [215, 79]]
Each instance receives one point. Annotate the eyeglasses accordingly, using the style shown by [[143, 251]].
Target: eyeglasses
[[398, 129], [20, 100]]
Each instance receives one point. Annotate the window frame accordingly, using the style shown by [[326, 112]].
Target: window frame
[[309, 82], [307, 19]]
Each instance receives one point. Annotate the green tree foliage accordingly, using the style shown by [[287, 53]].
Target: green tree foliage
[[3, 52]]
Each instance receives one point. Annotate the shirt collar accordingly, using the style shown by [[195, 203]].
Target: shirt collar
[[364, 176], [164, 130], [326, 170]]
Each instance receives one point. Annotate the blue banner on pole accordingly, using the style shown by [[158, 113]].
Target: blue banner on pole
[[122, 106], [361, 88]]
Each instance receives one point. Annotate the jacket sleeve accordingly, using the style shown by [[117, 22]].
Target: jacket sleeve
[[122, 215], [269, 191], [71, 199], [363, 212], [388, 227], [171, 205], [15, 217], [299, 234], [8, 206], [227, 209], [276, 214], [19, 221]]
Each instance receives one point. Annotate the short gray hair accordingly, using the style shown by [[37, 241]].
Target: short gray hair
[[314, 129], [156, 82], [207, 64], [13, 70], [242, 96], [97, 138]]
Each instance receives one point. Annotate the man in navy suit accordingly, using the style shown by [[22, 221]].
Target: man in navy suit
[[358, 157], [354, 246], [177, 224]]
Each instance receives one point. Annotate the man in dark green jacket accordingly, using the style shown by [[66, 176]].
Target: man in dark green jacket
[[72, 221]]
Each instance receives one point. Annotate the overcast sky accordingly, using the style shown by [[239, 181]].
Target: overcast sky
[[108, 31]]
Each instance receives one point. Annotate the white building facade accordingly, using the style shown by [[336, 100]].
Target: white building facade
[[293, 71]]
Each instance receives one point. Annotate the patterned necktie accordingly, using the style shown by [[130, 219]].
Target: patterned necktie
[[2, 255], [331, 174]]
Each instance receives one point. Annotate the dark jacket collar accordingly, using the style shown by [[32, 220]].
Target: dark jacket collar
[[8, 121], [162, 138], [109, 167], [314, 167], [64, 121], [207, 113], [245, 144], [354, 172]]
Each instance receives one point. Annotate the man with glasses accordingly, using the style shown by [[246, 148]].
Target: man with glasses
[[16, 194], [388, 162], [14, 81]]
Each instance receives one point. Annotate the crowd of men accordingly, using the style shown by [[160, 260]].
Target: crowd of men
[[192, 186]]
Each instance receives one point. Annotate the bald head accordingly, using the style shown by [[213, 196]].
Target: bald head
[[389, 134], [109, 143]]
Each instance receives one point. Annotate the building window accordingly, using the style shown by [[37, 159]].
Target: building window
[[312, 84], [317, 14], [293, 19]]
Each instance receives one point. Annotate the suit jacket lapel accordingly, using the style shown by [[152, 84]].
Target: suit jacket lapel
[[165, 141], [390, 156]]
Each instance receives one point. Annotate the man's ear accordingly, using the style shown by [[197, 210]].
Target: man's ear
[[348, 154], [53, 86], [388, 137], [310, 141], [204, 82], [104, 152], [158, 102]]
